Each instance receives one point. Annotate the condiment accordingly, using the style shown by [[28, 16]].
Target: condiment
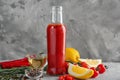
[[56, 35]]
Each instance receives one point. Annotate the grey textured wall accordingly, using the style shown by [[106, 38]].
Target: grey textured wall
[[93, 27]]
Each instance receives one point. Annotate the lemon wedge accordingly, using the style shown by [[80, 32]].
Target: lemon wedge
[[92, 62], [79, 72]]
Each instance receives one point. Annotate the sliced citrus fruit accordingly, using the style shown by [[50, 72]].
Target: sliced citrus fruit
[[35, 63], [72, 55], [79, 72], [92, 62]]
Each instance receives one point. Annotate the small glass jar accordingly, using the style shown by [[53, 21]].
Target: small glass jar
[[34, 74], [37, 63]]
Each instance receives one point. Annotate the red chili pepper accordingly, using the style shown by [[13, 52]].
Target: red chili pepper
[[15, 63]]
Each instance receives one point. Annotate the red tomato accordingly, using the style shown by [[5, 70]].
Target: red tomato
[[66, 77], [96, 73], [69, 78], [101, 68], [84, 64], [61, 78], [66, 67]]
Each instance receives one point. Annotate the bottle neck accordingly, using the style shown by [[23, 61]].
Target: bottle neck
[[57, 14]]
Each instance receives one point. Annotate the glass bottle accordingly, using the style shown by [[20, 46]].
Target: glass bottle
[[56, 39]]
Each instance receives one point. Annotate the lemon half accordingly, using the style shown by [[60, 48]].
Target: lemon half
[[72, 55]]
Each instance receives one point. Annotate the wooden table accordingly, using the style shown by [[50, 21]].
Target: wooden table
[[112, 73]]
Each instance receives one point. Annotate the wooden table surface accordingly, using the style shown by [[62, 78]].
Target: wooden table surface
[[112, 73]]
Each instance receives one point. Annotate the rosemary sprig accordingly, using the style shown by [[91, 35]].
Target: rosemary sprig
[[7, 74]]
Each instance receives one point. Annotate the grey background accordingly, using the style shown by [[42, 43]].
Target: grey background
[[93, 27]]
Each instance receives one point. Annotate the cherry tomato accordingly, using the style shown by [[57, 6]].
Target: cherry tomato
[[66, 67], [101, 68], [68, 77], [61, 78], [96, 73], [84, 64]]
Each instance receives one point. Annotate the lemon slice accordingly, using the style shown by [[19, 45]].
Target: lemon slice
[[35, 63], [92, 62], [79, 72]]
